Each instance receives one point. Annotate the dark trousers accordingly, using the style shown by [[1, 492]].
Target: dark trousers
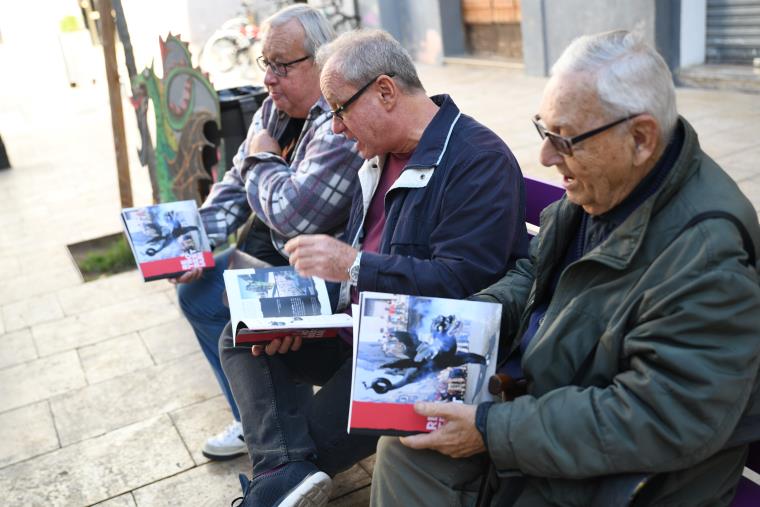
[[283, 420]]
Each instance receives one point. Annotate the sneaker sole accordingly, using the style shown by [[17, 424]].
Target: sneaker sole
[[313, 491], [216, 456]]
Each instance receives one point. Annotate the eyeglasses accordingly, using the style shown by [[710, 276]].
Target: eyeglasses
[[279, 69], [341, 109], [563, 144]]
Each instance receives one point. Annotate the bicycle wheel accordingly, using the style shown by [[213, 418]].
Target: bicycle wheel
[[220, 54]]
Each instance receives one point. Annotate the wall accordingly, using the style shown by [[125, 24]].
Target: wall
[[693, 32], [548, 26], [417, 25]]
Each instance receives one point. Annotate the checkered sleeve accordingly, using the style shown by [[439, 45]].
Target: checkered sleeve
[[226, 208], [314, 193]]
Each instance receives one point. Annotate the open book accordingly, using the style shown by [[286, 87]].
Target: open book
[[414, 348], [167, 239], [271, 303]]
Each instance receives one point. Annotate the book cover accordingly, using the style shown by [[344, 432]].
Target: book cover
[[414, 348], [272, 303], [167, 239]]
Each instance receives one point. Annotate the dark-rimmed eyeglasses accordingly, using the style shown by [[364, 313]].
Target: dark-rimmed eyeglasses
[[564, 144], [338, 111], [278, 68]]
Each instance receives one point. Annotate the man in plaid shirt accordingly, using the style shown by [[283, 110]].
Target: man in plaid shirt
[[292, 175]]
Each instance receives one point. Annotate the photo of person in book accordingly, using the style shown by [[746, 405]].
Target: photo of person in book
[[422, 352], [164, 231]]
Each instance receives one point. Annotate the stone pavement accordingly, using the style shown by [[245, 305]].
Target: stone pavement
[[104, 396]]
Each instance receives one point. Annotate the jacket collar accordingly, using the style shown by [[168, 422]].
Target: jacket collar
[[619, 248], [435, 138]]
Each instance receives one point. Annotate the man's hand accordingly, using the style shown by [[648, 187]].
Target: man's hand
[[187, 277], [321, 255], [263, 141], [278, 346], [457, 438]]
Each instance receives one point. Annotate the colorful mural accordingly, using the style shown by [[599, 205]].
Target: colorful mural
[[187, 122]]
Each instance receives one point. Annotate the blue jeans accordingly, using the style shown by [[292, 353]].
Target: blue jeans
[[201, 302], [283, 420]]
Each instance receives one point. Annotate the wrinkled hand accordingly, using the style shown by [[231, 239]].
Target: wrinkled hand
[[262, 141], [457, 438], [187, 277], [278, 346], [321, 255]]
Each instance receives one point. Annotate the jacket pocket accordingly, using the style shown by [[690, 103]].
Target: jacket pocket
[[411, 237]]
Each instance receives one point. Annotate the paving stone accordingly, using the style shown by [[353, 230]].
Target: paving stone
[[358, 498], [37, 283], [16, 348], [99, 468], [103, 323], [170, 340], [368, 464], [125, 500], [29, 312], [10, 266], [107, 292], [26, 432], [209, 485], [123, 400], [39, 379], [351, 480], [114, 357], [198, 422], [2, 324]]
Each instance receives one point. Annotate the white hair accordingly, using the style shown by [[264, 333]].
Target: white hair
[[629, 75], [361, 55], [318, 30]]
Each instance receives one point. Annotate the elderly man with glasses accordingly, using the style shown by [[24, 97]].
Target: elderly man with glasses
[[439, 212], [634, 322], [292, 175]]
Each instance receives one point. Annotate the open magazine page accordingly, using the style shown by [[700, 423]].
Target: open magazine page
[[272, 302], [167, 239], [413, 348]]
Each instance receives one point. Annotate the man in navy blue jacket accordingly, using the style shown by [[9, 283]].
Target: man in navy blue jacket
[[440, 212]]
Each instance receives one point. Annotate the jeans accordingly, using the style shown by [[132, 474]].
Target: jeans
[[201, 302], [283, 420]]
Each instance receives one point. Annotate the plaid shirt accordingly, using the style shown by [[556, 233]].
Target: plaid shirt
[[311, 195]]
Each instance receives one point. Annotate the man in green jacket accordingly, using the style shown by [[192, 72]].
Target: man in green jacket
[[635, 321]]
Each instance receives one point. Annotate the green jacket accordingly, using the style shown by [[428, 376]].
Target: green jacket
[[648, 353]]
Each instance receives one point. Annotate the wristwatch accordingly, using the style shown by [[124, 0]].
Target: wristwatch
[[353, 271]]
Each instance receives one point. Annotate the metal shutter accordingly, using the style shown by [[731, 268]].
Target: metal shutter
[[733, 31]]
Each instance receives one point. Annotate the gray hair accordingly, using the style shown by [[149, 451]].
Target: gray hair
[[318, 30], [361, 55], [630, 76]]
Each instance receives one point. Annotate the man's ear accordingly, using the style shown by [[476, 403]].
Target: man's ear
[[388, 92], [646, 138]]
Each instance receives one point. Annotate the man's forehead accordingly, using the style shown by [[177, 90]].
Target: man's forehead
[[565, 98], [283, 40], [331, 83]]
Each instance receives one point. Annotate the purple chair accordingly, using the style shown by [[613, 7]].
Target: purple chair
[[538, 195]]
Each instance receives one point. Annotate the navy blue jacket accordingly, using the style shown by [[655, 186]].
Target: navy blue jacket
[[455, 217]]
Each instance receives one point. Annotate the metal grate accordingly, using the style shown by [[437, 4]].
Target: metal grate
[[733, 31]]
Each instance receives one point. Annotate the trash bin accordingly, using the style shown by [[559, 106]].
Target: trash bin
[[237, 106]]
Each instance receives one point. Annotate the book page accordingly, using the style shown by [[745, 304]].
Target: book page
[[272, 298]]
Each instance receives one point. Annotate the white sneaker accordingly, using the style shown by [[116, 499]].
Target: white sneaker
[[226, 445]]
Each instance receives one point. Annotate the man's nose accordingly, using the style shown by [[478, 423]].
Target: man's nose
[[549, 156], [269, 76], [337, 125]]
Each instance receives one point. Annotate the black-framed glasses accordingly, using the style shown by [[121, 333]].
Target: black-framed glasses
[[278, 68], [564, 144], [338, 111]]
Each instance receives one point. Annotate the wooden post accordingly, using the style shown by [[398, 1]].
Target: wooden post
[[114, 94]]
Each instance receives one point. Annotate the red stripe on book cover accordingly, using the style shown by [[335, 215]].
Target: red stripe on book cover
[[248, 336], [176, 265], [368, 415]]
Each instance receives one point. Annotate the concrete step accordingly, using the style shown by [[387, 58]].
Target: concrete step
[[743, 78]]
